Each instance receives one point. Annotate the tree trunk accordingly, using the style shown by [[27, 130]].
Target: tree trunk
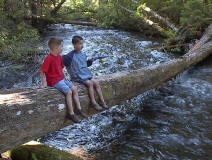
[[57, 8], [33, 7], [6, 6], [30, 113]]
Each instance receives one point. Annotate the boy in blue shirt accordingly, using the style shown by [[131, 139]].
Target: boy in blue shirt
[[77, 66]]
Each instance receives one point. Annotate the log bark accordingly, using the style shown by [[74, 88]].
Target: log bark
[[30, 113], [205, 38]]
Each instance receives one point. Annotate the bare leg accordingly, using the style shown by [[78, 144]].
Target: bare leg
[[98, 90], [69, 102], [76, 97], [89, 84], [77, 102], [71, 114]]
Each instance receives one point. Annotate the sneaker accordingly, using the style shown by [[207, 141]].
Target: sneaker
[[104, 105], [97, 107], [73, 117], [83, 114]]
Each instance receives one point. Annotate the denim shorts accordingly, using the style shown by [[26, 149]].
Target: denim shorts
[[64, 86], [83, 81]]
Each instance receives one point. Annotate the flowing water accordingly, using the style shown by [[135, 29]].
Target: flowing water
[[173, 122]]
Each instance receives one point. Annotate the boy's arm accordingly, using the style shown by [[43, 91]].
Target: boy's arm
[[65, 75], [43, 79], [62, 65], [90, 62]]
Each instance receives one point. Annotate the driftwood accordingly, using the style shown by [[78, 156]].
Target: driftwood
[[30, 113]]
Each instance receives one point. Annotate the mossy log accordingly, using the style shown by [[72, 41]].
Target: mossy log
[[30, 113], [40, 152]]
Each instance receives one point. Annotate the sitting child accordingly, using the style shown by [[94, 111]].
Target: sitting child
[[52, 68], [77, 66]]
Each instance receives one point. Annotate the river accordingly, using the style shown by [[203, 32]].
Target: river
[[173, 122]]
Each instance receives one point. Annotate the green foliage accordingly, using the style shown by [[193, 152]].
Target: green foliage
[[172, 38], [17, 37], [34, 156], [107, 16], [172, 10], [19, 42], [196, 13]]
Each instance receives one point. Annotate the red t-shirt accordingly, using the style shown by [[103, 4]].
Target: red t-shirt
[[53, 69]]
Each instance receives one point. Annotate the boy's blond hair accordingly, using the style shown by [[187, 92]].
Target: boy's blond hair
[[54, 42]]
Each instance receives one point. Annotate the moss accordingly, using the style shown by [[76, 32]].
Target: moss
[[40, 152]]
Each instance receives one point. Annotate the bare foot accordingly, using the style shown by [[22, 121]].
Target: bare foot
[[104, 105], [97, 107], [73, 117]]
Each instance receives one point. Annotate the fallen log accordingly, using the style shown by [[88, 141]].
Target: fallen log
[[158, 17], [58, 21], [153, 26], [30, 113], [76, 22], [37, 151]]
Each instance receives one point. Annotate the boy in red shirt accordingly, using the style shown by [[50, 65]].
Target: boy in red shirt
[[52, 69]]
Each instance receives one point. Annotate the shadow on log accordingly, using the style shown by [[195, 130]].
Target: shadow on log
[[30, 113]]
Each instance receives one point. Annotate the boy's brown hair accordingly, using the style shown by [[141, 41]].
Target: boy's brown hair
[[76, 39], [54, 42]]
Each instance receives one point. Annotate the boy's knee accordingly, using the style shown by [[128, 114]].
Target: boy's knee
[[74, 89], [69, 93], [96, 83], [89, 83]]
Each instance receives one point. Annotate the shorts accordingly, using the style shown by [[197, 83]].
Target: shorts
[[64, 86], [83, 80]]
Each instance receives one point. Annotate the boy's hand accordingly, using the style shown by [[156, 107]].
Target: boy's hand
[[66, 78], [92, 59]]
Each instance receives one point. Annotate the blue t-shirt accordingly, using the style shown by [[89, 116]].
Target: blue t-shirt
[[76, 63]]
